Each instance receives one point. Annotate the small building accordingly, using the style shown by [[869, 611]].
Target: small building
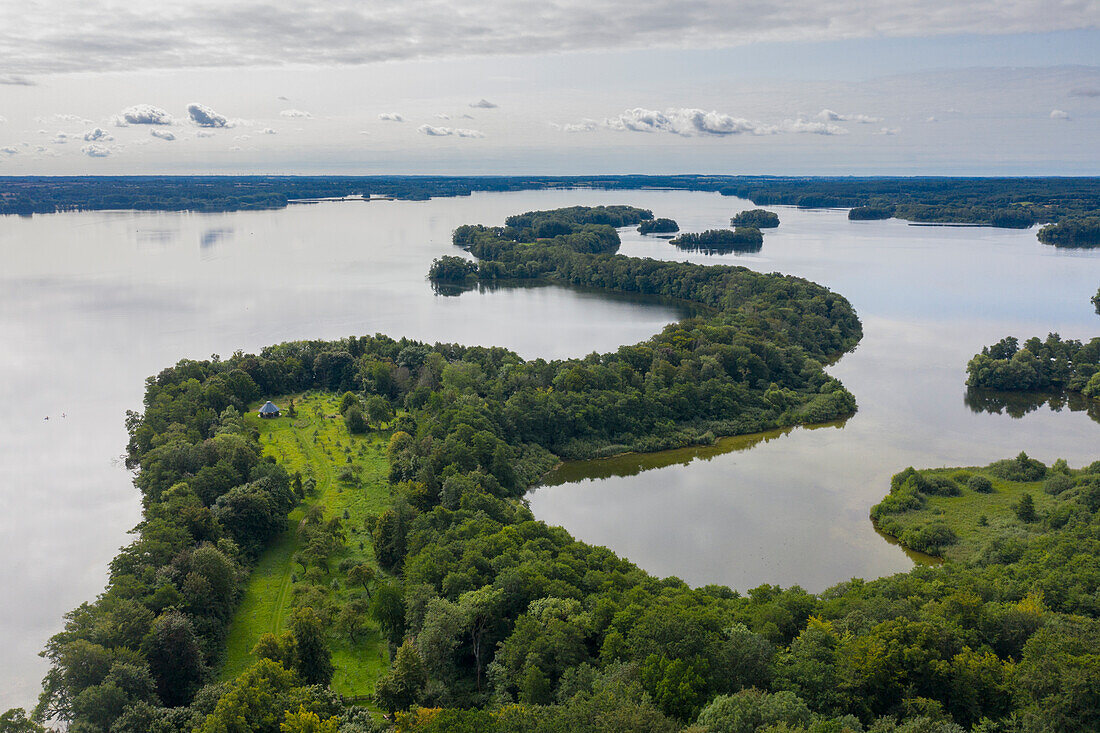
[[269, 410]]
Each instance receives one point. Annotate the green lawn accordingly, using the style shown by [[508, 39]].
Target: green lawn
[[316, 444], [963, 513]]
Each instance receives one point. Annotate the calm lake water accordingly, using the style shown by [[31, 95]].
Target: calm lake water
[[92, 303]]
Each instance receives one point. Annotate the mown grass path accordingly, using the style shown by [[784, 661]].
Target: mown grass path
[[317, 445]]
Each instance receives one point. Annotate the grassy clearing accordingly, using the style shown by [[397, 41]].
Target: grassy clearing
[[974, 517], [317, 445]]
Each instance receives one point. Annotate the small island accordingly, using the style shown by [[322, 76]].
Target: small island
[[758, 218], [658, 226], [722, 241]]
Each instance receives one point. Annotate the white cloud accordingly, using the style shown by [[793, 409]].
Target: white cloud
[[203, 116], [391, 117], [9, 150], [483, 103], [1059, 114], [61, 138], [888, 131], [828, 115], [433, 131], [811, 127], [234, 148], [16, 80], [268, 131], [442, 116], [204, 133], [295, 113], [142, 114], [162, 134], [582, 126], [1084, 92], [364, 132], [98, 134], [3, 119], [243, 137], [95, 150], [687, 122]]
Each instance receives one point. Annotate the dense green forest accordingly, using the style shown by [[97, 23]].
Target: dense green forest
[[658, 226], [721, 241], [496, 621], [1050, 364], [756, 218], [1002, 202], [1073, 232]]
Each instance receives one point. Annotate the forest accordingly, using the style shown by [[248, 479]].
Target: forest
[[494, 621]]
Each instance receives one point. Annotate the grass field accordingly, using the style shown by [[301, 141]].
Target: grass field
[[964, 514], [316, 444]]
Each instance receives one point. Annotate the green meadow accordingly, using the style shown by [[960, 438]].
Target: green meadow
[[316, 444]]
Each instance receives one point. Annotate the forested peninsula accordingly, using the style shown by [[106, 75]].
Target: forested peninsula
[[392, 487]]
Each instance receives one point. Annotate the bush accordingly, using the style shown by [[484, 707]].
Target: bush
[[1020, 468], [980, 484], [1057, 483]]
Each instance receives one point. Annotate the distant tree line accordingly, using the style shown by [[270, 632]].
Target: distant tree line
[[1002, 202], [1075, 232]]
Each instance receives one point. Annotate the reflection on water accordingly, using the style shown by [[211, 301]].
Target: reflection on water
[[1020, 404], [631, 464], [210, 237]]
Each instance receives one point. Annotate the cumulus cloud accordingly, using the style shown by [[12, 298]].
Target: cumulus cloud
[[686, 122], [1059, 114], [432, 131], [828, 115], [268, 131], [203, 116], [204, 133], [483, 103], [99, 134], [295, 113], [95, 150], [16, 80], [3, 119], [888, 131], [1084, 92], [9, 150], [442, 116], [391, 117], [142, 114], [162, 134], [61, 138], [234, 148]]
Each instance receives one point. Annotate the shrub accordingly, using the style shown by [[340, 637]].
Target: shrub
[[980, 484]]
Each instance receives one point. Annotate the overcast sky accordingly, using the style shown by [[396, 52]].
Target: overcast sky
[[599, 86]]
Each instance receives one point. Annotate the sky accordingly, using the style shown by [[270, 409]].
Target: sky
[[874, 87]]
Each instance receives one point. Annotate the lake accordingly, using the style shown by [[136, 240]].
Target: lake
[[92, 303]]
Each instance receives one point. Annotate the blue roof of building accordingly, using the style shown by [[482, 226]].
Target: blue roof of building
[[268, 408]]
